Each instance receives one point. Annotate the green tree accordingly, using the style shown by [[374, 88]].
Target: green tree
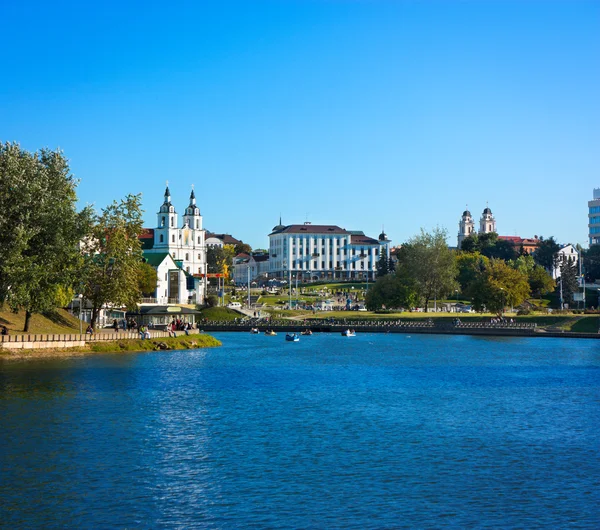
[[382, 264], [470, 243], [540, 281], [568, 279], [430, 264], [113, 257], [147, 279], [499, 285], [391, 291], [591, 262], [242, 248], [470, 265], [40, 229], [546, 253]]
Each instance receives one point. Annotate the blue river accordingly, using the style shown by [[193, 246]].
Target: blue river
[[373, 431]]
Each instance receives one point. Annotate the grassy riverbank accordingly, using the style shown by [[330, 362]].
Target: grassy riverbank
[[184, 342]]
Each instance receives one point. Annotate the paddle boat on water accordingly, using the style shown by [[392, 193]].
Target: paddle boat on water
[[254, 331], [306, 332], [270, 332], [292, 337], [348, 333]]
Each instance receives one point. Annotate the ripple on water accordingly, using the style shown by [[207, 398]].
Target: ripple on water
[[377, 431]]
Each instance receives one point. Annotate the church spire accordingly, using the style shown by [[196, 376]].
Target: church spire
[[167, 194], [192, 197]]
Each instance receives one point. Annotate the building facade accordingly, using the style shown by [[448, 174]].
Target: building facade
[[253, 267], [185, 245], [594, 218], [324, 252]]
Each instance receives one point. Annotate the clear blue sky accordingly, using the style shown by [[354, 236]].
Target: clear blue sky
[[356, 113]]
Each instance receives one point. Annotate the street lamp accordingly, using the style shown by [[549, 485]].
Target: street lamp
[[502, 289], [456, 306], [80, 296]]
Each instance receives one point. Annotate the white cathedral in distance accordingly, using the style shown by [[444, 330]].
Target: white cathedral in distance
[[466, 225]]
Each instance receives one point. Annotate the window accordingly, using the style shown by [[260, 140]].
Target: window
[[161, 238], [166, 276], [162, 222], [199, 270], [187, 269], [197, 223], [199, 256], [173, 238], [172, 219], [322, 264], [198, 239], [187, 257]]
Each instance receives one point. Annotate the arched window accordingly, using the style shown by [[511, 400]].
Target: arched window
[[198, 239], [162, 221], [173, 238], [161, 238], [187, 257], [172, 219], [197, 223]]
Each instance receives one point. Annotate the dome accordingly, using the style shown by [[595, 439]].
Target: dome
[[487, 211], [466, 213], [382, 236]]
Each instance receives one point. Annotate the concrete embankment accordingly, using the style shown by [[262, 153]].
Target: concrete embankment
[[425, 328]]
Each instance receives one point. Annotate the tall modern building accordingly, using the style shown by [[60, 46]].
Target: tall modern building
[[594, 218], [316, 252]]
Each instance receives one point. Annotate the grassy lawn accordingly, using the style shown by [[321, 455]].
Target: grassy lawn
[[219, 313], [60, 321]]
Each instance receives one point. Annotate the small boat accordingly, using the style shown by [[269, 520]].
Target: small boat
[[292, 337], [348, 333], [270, 332], [254, 331], [306, 332]]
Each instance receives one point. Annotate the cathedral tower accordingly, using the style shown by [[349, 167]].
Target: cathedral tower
[[466, 227], [487, 223]]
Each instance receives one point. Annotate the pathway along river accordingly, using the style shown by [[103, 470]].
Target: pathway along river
[[375, 431]]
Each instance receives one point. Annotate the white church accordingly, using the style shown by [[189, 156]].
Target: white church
[[178, 253], [466, 225]]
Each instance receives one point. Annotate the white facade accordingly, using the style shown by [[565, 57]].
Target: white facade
[[315, 252], [466, 227], [251, 267], [566, 252], [185, 244], [487, 222]]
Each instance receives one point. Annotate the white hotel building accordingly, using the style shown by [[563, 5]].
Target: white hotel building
[[320, 252]]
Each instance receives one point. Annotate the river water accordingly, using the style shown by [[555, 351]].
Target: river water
[[374, 431]]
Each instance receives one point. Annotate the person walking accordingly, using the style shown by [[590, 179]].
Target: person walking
[[115, 325]]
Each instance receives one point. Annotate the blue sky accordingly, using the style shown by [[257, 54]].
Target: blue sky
[[356, 113]]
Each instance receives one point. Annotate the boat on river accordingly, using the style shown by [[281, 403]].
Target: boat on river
[[254, 331], [306, 332], [292, 337], [270, 332], [348, 333]]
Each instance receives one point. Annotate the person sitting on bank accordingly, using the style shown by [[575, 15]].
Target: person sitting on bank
[[89, 330], [4, 331]]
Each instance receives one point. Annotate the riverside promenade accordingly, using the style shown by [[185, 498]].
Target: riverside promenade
[[501, 329], [71, 340]]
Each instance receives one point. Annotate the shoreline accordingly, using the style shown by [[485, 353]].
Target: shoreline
[[183, 342]]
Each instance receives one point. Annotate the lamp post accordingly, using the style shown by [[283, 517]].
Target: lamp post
[[80, 296], [456, 305], [502, 289]]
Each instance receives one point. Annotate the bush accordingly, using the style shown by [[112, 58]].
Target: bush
[[211, 300], [522, 312]]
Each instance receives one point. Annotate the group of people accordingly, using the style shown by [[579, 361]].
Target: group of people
[[178, 325]]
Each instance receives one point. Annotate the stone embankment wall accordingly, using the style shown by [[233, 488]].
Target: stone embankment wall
[[71, 340]]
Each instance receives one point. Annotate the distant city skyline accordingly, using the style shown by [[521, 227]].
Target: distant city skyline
[[360, 114]]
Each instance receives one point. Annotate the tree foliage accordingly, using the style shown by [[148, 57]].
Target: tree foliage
[[147, 279], [546, 253], [382, 263], [113, 256], [490, 246], [428, 262], [591, 261], [568, 279], [242, 248], [40, 229], [470, 265], [391, 292], [499, 285]]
